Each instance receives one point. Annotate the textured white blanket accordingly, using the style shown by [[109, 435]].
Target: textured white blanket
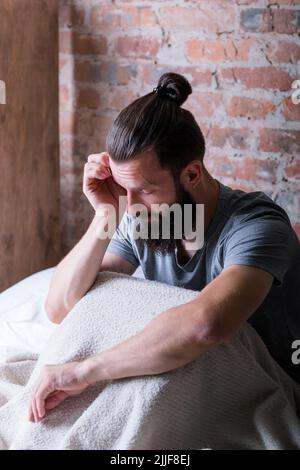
[[233, 397]]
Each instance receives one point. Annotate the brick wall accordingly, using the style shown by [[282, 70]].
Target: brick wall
[[241, 57]]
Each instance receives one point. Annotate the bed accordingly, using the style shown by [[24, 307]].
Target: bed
[[24, 324], [233, 397]]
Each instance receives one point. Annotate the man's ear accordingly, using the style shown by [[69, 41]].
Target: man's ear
[[191, 175]]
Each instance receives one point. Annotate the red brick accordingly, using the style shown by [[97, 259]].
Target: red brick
[[88, 97], [291, 111], [279, 140], [89, 44], [101, 124], [197, 76], [107, 18], [237, 138], [261, 20], [137, 46], [84, 71], [89, 124], [137, 17], [70, 42], [246, 186], [204, 104], [245, 168], [286, 21], [284, 2], [113, 72], [260, 77], [121, 98], [292, 170], [82, 124], [216, 50], [211, 17], [107, 72], [245, 2], [256, 20], [248, 107], [283, 52], [212, 51], [104, 17]]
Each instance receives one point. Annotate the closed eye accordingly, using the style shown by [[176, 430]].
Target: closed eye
[[143, 191]]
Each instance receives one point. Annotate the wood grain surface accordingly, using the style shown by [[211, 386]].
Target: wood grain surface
[[29, 159]]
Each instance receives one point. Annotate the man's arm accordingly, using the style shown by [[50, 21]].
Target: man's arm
[[77, 271], [75, 274], [171, 340], [182, 333]]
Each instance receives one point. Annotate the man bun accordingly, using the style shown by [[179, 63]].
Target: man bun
[[173, 86]]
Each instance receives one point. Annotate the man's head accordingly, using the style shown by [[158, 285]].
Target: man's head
[[156, 151], [147, 183]]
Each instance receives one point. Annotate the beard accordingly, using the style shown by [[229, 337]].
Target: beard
[[167, 245]]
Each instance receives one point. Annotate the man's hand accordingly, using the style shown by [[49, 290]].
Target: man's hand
[[98, 184], [55, 384]]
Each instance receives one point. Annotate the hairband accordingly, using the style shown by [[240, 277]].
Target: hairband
[[163, 91]]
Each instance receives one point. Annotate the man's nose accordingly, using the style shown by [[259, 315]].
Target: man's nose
[[132, 198]]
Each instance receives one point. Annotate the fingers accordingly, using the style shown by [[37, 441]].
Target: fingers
[[92, 172], [30, 413], [40, 403], [56, 383], [99, 170], [37, 405], [100, 158], [53, 401], [33, 414], [35, 411]]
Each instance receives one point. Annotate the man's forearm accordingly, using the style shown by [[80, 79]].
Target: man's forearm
[[171, 340], [74, 275]]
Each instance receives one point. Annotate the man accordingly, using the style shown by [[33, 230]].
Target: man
[[248, 268]]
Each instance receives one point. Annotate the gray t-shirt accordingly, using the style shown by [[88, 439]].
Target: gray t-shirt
[[248, 229]]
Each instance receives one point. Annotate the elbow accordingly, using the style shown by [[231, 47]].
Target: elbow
[[54, 313], [208, 333]]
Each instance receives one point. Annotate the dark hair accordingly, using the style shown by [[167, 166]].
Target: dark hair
[[157, 122]]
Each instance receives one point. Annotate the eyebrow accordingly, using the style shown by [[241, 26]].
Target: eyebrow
[[147, 181]]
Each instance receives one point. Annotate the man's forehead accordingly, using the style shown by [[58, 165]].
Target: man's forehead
[[142, 169], [135, 180]]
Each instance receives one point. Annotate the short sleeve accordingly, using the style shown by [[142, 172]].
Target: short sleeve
[[121, 244], [263, 243]]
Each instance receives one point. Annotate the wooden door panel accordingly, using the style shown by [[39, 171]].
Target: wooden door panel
[[29, 161]]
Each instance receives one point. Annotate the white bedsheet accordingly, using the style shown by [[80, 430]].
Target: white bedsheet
[[24, 324], [233, 397]]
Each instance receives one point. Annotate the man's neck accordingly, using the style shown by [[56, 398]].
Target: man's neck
[[208, 195]]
